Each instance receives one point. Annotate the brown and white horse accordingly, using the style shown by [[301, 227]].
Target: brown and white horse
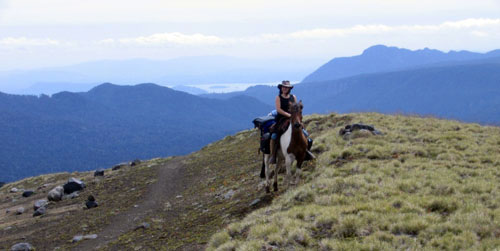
[[293, 146]]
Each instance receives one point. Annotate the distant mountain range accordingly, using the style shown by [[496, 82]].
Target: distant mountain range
[[380, 58], [111, 124], [179, 71], [467, 90]]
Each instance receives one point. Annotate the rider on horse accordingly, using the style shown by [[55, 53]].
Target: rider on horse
[[282, 107]]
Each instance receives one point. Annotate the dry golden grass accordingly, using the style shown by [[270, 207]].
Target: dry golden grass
[[425, 184]]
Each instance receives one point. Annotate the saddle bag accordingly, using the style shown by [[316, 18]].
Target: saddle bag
[[264, 124]]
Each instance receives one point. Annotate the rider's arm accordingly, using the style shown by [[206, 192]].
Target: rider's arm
[[278, 108]]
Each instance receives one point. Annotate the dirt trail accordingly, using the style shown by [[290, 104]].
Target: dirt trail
[[170, 183]]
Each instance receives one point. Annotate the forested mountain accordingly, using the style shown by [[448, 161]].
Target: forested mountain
[[380, 58], [110, 124], [468, 91]]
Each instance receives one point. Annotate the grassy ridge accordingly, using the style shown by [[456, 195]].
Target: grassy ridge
[[424, 184]]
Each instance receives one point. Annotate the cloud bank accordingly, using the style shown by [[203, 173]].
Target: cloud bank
[[481, 27]]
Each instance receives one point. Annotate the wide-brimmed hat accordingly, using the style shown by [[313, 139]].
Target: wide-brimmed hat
[[285, 83]]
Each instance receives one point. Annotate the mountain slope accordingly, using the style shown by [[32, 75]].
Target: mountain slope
[[424, 184], [111, 124], [183, 199], [380, 58]]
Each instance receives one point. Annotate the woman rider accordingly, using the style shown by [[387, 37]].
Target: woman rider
[[283, 109]]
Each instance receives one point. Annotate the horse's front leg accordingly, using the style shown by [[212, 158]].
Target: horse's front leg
[[267, 171], [288, 164], [298, 172], [276, 171]]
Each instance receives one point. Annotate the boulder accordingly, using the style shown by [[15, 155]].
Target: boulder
[[229, 194], [28, 193], [39, 203], [40, 211], [14, 190], [73, 185], [348, 129], [24, 246], [135, 162], [91, 203], [71, 195], [99, 172], [119, 166], [143, 225], [254, 202], [20, 211], [56, 193], [78, 238]]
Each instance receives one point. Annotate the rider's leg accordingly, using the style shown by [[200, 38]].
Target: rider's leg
[[309, 155], [274, 148]]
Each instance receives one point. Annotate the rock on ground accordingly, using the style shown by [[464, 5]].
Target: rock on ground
[[40, 211], [91, 203], [56, 193], [20, 211], [73, 185], [119, 166], [99, 172], [28, 193], [143, 225], [78, 238], [135, 162], [24, 246], [70, 196], [255, 202], [39, 203], [229, 194]]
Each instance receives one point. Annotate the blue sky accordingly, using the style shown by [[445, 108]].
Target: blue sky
[[35, 34]]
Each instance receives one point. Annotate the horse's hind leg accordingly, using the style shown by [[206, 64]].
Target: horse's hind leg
[[276, 170], [267, 171]]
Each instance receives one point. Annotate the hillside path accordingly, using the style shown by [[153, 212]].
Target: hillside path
[[170, 183]]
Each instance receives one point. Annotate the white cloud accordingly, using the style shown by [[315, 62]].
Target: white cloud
[[480, 34], [481, 27], [23, 41], [475, 27], [455, 26], [168, 38]]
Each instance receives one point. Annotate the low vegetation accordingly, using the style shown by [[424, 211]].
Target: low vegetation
[[425, 183]]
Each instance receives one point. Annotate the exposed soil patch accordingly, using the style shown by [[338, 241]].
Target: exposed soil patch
[[170, 182]]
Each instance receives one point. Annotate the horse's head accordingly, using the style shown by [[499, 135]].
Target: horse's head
[[296, 113]]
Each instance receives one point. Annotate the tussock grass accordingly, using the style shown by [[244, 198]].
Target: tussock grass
[[425, 183]]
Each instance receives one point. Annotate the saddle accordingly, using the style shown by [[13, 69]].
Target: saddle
[[280, 127]]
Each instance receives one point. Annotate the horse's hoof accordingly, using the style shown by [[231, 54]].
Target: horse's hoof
[[268, 190]]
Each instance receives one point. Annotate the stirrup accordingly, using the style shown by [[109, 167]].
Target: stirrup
[[309, 156]]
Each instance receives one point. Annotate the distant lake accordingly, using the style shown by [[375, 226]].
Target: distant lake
[[230, 87]]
